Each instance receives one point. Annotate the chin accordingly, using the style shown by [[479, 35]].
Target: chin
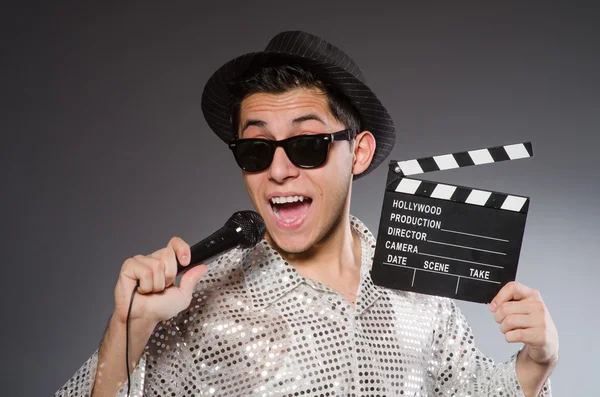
[[292, 244]]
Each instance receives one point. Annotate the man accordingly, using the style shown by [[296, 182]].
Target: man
[[298, 313]]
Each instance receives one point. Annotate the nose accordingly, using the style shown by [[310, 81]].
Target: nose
[[282, 168]]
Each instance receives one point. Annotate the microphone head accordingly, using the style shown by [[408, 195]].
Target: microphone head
[[251, 227]]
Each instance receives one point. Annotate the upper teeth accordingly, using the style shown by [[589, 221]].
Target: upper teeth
[[288, 199]]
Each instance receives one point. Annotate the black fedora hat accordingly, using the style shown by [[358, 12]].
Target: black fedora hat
[[324, 59]]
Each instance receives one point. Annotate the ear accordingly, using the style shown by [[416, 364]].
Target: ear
[[364, 149]]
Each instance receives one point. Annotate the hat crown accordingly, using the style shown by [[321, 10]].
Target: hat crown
[[306, 45]]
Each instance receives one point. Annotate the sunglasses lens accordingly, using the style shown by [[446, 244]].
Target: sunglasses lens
[[253, 156], [308, 151]]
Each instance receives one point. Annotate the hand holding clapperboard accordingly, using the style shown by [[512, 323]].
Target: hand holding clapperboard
[[446, 240]]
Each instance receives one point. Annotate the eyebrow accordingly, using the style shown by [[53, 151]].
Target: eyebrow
[[307, 117], [252, 122], [297, 120]]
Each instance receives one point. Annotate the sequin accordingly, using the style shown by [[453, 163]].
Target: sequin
[[257, 327]]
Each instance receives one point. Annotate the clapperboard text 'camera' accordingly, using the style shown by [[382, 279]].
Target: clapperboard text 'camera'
[[446, 240]]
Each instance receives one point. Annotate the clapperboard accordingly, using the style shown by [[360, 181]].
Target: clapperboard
[[446, 240]]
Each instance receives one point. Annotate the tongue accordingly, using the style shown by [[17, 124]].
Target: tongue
[[292, 210]]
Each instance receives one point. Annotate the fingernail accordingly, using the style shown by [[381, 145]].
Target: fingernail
[[185, 259], [493, 306]]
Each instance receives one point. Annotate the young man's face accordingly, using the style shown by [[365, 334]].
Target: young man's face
[[297, 226]]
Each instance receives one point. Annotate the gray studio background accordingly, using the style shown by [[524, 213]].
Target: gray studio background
[[105, 153]]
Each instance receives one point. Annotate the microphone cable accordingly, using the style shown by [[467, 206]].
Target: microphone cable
[[137, 284]]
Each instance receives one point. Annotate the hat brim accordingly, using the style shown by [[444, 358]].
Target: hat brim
[[217, 101]]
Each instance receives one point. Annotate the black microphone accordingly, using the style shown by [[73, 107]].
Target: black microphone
[[244, 228]]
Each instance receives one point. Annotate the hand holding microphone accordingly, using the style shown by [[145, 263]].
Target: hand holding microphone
[[158, 297]]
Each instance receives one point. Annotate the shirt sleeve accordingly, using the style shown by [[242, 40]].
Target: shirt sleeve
[[462, 370], [82, 382]]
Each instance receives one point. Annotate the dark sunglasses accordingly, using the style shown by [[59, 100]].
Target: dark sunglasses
[[304, 151]]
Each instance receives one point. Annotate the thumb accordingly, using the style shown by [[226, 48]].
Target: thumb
[[190, 278]]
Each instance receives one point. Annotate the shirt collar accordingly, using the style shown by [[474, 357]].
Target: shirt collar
[[269, 276]]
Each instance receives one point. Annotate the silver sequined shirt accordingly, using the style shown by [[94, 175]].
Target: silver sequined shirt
[[256, 327]]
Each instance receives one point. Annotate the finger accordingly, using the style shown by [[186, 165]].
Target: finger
[[530, 336], [136, 270], [182, 255], [176, 249], [181, 249], [511, 291], [190, 278], [515, 307], [170, 273], [158, 272], [518, 321]]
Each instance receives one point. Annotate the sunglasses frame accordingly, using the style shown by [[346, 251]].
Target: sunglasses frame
[[343, 135]]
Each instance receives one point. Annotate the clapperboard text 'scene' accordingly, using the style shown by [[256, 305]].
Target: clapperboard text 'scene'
[[447, 240]]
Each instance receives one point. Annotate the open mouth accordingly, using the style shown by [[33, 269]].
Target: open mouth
[[290, 209]]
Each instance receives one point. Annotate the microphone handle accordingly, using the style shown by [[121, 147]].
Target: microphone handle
[[223, 239]]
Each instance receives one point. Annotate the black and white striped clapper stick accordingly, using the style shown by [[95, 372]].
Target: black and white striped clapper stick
[[463, 159], [459, 193]]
